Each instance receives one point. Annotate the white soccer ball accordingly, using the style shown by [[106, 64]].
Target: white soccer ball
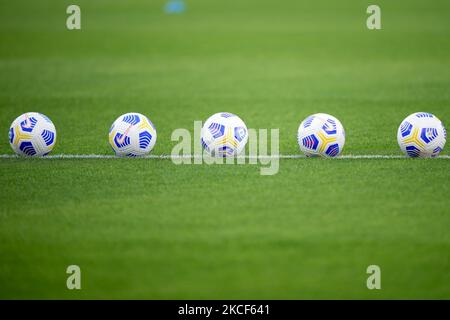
[[224, 135], [321, 135], [421, 134], [132, 135], [32, 134]]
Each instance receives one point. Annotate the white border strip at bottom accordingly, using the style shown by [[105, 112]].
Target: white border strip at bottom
[[281, 156]]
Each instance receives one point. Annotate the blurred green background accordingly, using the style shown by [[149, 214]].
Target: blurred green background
[[271, 63]]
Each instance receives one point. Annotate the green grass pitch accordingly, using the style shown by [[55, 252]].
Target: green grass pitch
[[146, 228]]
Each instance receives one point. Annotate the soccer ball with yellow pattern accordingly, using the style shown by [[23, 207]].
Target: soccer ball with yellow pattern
[[422, 135], [321, 135], [32, 134], [132, 135], [224, 134]]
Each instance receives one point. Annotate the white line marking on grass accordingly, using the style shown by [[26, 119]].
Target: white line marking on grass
[[163, 156]]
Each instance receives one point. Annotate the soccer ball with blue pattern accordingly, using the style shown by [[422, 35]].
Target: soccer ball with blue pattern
[[32, 134], [321, 135], [132, 135], [224, 135], [422, 135]]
